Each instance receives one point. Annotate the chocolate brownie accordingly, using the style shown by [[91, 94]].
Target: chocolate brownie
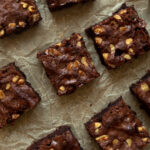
[[118, 128], [59, 4], [141, 90], [16, 15], [68, 64], [16, 94], [121, 37], [61, 139]]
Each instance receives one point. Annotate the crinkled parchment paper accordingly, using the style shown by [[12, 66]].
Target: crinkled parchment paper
[[79, 107]]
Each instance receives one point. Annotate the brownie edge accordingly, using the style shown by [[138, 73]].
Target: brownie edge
[[61, 139], [16, 94], [117, 127]]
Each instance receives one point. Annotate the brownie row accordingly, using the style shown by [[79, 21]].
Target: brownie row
[[116, 127], [118, 39]]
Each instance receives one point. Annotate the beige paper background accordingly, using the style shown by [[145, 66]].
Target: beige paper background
[[79, 107]]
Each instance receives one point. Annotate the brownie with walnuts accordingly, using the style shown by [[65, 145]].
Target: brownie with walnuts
[[117, 128], [141, 89], [68, 64], [16, 15], [121, 37], [16, 94], [59, 4], [61, 139]]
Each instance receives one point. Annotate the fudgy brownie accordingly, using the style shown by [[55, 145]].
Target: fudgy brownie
[[61, 139], [121, 37], [68, 64], [59, 4], [117, 128], [16, 94], [141, 90], [15, 15]]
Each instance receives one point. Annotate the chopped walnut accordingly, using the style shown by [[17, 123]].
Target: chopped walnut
[[2, 32], [62, 88], [123, 11], [15, 79], [144, 87], [84, 61], [98, 40], [99, 30], [117, 17], [129, 41], [2, 94], [24, 5], [7, 86], [129, 142], [15, 116]]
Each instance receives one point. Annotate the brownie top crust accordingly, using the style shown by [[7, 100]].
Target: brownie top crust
[[15, 15], [16, 94], [121, 37], [117, 127], [68, 64], [61, 139]]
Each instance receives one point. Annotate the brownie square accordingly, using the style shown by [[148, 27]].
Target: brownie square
[[118, 128], [141, 89], [16, 15], [16, 94], [59, 4], [61, 139], [121, 37], [68, 64]]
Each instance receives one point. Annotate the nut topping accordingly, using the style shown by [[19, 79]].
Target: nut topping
[[142, 128], [97, 125], [99, 30], [15, 116], [127, 56], [7, 86], [112, 48], [36, 17], [2, 32], [144, 87], [24, 5], [117, 17], [62, 88], [84, 61], [129, 142], [115, 141], [12, 25], [98, 40], [2, 94], [15, 79], [129, 41], [105, 55], [102, 138], [31, 9], [144, 139], [79, 44], [21, 23], [21, 81], [123, 11]]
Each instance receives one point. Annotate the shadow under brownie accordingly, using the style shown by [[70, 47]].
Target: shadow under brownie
[[121, 37], [61, 139], [16, 94], [16, 15], [68, 64], [118, 128]]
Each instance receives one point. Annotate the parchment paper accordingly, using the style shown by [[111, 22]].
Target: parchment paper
[[79, 107]]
